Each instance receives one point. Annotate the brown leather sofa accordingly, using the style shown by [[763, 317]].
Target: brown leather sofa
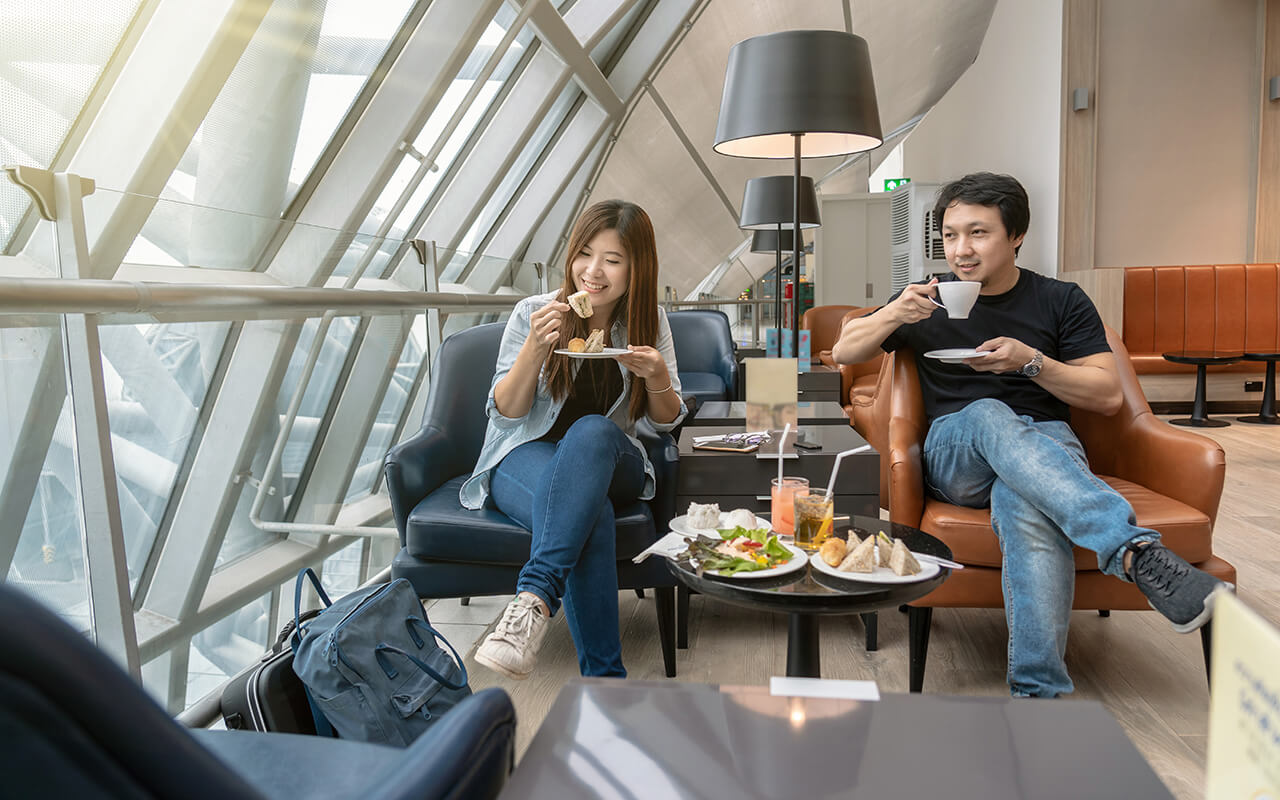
[[1172, 477], [1208, 307]]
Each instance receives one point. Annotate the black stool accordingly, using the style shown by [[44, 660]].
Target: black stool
[[1267, 414], [1201, 359]]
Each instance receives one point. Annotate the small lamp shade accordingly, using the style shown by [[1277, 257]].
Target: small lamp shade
[[816, 83], [768, 202], [766, 241]]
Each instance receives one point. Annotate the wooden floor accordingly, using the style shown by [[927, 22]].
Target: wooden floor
[[1149, 677]]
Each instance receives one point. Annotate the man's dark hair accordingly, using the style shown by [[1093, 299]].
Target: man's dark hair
[[988, 189]]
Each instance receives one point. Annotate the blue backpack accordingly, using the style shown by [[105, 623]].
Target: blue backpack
[[372, 666]]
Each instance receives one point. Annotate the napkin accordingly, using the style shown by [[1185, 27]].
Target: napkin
[[668, 546]]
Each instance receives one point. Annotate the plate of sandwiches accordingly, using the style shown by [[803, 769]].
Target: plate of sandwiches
[[706, 519], [876, 559]]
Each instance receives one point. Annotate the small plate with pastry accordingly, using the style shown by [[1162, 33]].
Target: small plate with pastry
[[591, 347], [876, 559], [707, 519]]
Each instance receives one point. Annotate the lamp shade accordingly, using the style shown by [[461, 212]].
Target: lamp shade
[[766, 241], [767, 203], [816, 83]]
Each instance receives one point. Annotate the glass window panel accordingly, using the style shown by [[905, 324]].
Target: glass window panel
[[44, 82], [603, 52], [276, 113], [37, 473], [242, 537], [384, 425], [228, 646], [341, 571], [453, 98], [519, 170], [156, 379]]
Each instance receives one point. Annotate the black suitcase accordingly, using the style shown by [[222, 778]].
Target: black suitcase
[[268, 695]]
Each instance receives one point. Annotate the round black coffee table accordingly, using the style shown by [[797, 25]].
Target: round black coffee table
[[1201, 359], [806, 594], [1267, 414]]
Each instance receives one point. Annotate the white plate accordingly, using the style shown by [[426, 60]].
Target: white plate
[[679, 525], [797, 562], [881, 574], [608, 352], [955, 355]]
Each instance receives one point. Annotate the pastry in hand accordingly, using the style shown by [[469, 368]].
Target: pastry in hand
[[595, 342], [833, 550], [580, 302], [577, 345]]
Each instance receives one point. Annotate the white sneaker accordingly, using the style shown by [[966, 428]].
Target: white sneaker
[[512, 648]]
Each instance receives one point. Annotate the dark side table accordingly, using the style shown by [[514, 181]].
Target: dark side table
[[1201, 359], [1267, 414]]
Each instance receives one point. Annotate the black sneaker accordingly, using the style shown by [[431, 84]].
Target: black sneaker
[[1173, 587]]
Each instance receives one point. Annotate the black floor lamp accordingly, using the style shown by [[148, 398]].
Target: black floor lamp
[[768, 209], [798, 94]]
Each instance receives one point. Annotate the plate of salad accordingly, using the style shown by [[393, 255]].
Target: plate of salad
[[742, 553]]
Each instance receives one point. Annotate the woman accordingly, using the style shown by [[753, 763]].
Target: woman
[[560, 450]]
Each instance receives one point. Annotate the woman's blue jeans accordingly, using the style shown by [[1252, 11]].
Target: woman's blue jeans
[[1043, 499], [564, 493]]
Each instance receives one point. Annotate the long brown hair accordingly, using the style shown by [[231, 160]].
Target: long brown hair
[[638, 307]]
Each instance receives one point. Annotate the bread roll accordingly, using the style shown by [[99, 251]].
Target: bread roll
[[833, 550], [577, 345]]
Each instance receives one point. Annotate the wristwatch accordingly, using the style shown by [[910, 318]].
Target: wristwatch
[[1032, 367]]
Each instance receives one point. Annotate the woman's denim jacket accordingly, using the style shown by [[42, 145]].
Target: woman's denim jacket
[[505, 434]]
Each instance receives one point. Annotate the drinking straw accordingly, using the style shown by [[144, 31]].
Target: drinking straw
[[831, 484], [782, 443]]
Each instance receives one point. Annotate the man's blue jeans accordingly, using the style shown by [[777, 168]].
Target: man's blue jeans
[[564, 493], [1043, 499]]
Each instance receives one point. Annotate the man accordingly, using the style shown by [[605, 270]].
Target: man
[[999, 434]]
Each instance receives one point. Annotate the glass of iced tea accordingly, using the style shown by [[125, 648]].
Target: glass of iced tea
[[781, 508], [814, 518]]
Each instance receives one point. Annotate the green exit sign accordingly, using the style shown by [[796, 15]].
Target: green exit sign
[[893, 183]]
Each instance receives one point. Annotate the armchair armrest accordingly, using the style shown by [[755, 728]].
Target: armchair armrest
[[727, 369], [665, 457], [1180, 464], [906, 471], [468, 753], [415, 468]]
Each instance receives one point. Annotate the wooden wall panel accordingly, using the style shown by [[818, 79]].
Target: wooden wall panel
[[1266, 247], [1079, 136]]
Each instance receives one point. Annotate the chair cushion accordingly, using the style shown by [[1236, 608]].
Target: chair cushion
[[967, 531], [287, 765], [439, 528], [703, 385]]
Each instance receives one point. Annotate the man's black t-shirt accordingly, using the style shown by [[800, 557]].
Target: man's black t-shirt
[[1055, 317]]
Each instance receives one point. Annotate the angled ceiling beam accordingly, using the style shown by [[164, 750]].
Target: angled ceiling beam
[[555, 33]]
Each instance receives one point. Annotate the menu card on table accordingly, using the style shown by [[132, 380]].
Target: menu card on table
[[772, 386], [1244, 704]]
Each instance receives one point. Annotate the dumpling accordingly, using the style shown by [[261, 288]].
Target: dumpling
[[740, 517]]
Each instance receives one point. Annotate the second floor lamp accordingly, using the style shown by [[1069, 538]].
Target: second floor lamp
[[767, 209]]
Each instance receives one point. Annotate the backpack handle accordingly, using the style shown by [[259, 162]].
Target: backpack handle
[[305, 572], [383, 648]]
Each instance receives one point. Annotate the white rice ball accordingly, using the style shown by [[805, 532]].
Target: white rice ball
[[740, 517], [704, 516]]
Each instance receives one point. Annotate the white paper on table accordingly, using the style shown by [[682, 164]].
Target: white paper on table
[[668, 546], [823, 687]]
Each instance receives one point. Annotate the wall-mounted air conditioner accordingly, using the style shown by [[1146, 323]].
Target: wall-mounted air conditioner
[[915, 237]]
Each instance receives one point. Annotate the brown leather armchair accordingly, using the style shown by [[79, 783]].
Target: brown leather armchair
[[1173, 478], [823, 324]]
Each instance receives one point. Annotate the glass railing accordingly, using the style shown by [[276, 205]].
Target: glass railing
[[247, 375], [748, 319]]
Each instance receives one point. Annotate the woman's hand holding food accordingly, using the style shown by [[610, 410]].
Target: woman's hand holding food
[[544, 328]]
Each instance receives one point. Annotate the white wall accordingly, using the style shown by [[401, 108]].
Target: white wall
[[1003, 115]]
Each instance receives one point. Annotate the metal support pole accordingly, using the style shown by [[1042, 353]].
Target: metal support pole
[[777, 290], [110, 603], [795, 254]]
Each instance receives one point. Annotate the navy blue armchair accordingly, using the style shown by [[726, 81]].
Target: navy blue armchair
[[73, 724], [705, 354], [451, 551]]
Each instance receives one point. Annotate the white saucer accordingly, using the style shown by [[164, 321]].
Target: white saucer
[[608, 352], [955, 355]]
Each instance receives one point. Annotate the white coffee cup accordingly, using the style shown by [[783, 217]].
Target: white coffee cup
[[958, 297]]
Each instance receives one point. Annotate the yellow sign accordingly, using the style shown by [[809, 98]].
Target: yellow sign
[[1244, 705]]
